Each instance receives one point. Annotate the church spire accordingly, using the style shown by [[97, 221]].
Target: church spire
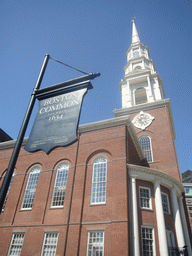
[[135, 37], [141, 84]]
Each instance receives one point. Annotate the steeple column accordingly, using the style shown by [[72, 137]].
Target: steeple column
[[151, 97], [143, 64], [126, 95], [131, 66], [140, 52]]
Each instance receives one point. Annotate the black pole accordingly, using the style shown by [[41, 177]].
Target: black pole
[[13, 160]]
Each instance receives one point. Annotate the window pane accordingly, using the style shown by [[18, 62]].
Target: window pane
[[98, 194], [146, 146], [145, 197], [31, 188], [165, 203], [95, 244], [60, 185], [49, 244], [147, 241], [16, 244]]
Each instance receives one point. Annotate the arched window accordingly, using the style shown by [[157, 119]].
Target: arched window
[[60, 185], [140, 96], [146, 146], [30, 188], [99, 176], [8, 191]]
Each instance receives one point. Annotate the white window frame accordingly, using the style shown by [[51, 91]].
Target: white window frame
[[147, 150], [63, 185], [34, 170], [150, 204], [16, 243], [153, 239], [92, 245], [48, 242], [167, 203], [94, 189]]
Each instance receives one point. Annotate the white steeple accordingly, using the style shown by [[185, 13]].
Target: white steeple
[[141, 84], [135, 37]]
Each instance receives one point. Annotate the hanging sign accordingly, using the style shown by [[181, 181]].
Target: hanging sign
[[56, 122]]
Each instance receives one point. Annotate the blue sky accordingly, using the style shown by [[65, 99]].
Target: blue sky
[[94, 35]]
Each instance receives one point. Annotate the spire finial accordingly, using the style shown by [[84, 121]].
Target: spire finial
[[135, 37], [133, 19]]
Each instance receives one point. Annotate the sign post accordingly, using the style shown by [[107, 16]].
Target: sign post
[[13, 160], [56, 122]]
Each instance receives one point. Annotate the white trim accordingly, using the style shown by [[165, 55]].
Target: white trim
[[16, 244], [32, 171], [151, 151], [52, 232], [98, 203], [149, 174], [53, 193]]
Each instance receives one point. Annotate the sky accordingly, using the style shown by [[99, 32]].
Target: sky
[[93, 36]]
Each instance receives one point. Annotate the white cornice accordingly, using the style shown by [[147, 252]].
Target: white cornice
[[11, 144], [135, 60], [146, 107], [104, 124], [153, 175], [143, 72]]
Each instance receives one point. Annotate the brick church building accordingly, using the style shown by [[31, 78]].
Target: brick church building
[[116, 191]]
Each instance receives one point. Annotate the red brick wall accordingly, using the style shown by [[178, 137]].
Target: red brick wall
[[116, 145], [163, 146], [111, 143]]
